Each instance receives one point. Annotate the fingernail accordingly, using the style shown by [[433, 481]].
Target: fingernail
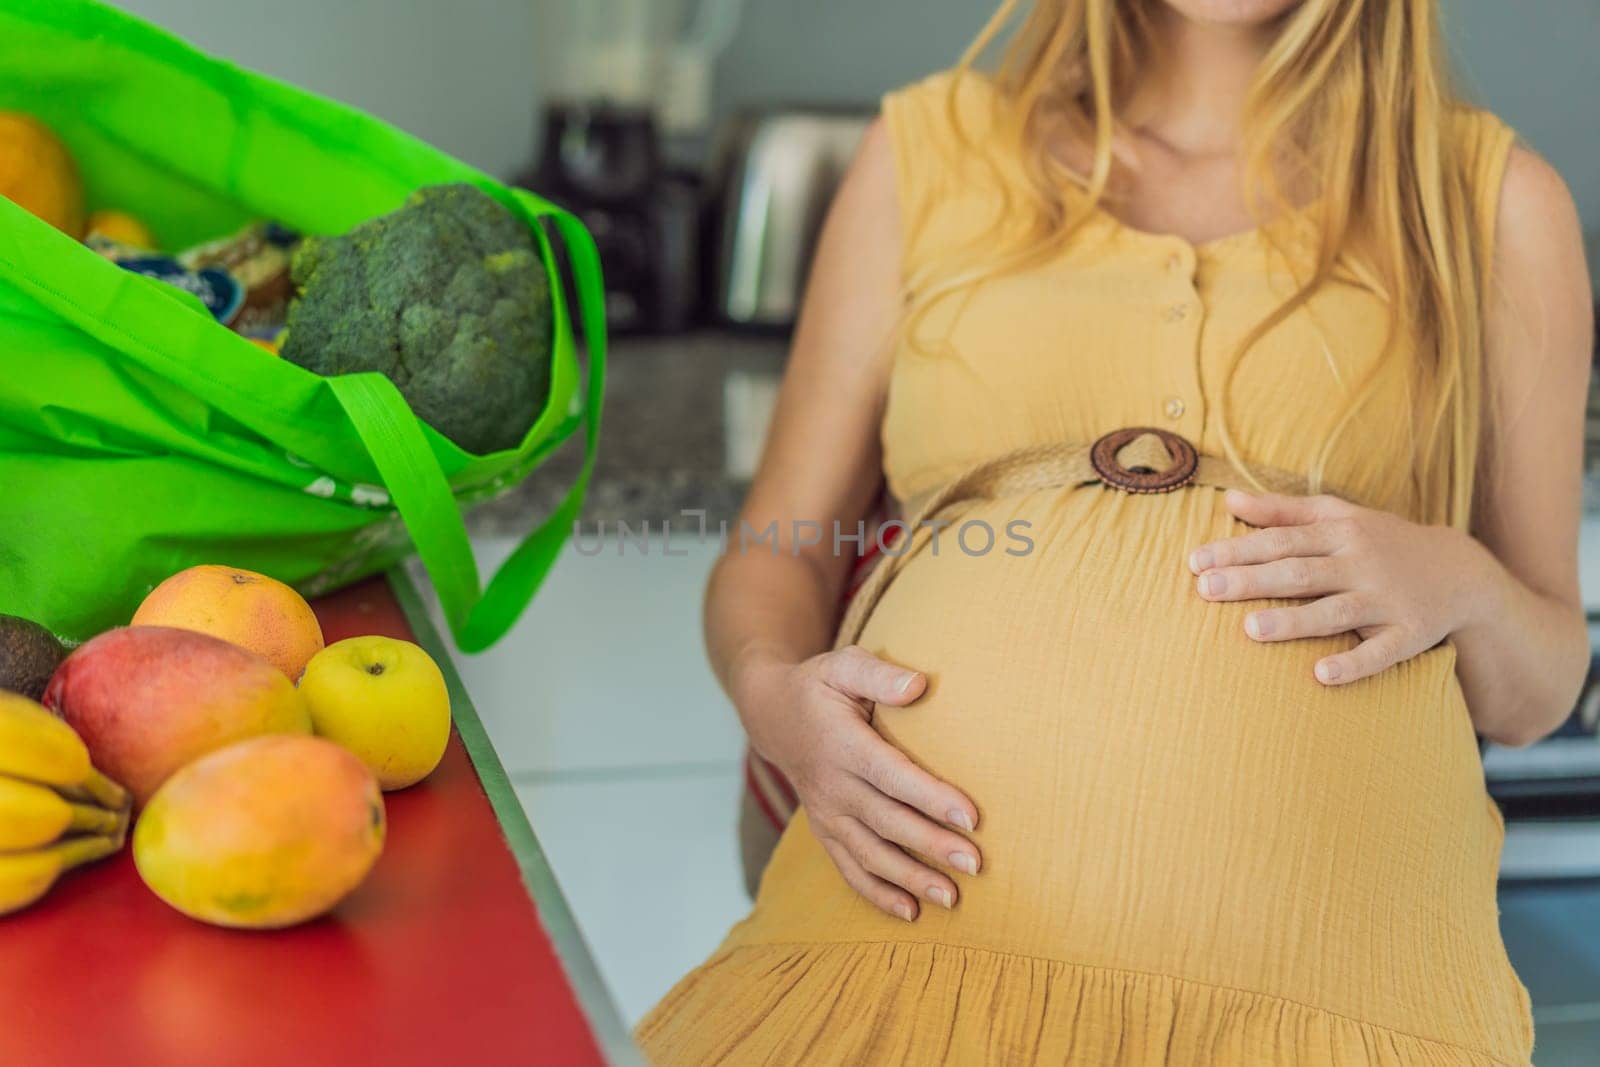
[[1213, 584], [1201, 559], [963, 862], [1328, 671], [904, 684], [957, 817], [905, 912], [1258, 625], [941, 896]]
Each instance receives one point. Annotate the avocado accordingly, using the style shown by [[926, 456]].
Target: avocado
[[29, 655]]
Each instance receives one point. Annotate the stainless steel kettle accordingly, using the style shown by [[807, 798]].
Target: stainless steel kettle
[[779, 172]]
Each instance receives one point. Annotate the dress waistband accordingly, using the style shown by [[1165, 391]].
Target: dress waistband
[[1137, 459]]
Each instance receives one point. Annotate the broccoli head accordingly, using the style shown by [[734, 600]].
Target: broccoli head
[[448, 297]]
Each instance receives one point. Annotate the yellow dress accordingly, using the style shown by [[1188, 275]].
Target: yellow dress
[[1193, 853]]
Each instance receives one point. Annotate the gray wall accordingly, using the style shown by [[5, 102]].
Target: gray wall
[[1534, 62], [454, 72], [462, 73], [1537, 65]]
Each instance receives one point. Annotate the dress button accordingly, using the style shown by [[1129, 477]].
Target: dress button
[[1174, 407], [1175, 262], [1177, 312]]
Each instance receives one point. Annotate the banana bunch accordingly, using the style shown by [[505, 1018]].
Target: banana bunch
[[56, 810]]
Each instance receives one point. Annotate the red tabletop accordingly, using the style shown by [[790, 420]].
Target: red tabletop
[[439, 957]]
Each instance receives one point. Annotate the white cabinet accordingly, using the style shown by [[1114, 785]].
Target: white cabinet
[[624, 753]]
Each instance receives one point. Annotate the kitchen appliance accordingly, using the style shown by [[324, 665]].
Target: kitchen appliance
[[1549, 792], [602, 161], [627, 80], [778, 172]]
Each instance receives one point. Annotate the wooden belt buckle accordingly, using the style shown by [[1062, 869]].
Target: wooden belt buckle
[[1103, 457]]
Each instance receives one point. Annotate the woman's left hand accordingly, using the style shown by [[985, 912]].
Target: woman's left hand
[[1400, 586]]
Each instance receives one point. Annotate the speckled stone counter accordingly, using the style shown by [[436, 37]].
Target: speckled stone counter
[[665, 438]]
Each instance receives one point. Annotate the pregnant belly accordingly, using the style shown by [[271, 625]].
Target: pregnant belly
[[1160, 793]]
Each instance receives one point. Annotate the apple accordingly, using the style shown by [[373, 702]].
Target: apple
[[384, 700]]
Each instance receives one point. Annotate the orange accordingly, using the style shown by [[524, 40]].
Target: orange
[[37, 172], [249, 609], [120, 227]]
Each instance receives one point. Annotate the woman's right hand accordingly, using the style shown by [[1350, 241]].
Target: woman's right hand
[[866, 801]]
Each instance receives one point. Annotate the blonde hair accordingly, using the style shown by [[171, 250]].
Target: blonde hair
[[1353, 97]]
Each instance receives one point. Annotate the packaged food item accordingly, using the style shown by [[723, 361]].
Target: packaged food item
[[258, 258], [218, 290]]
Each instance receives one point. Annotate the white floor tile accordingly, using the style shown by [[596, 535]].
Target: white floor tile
[[650, 867], [606, 669]]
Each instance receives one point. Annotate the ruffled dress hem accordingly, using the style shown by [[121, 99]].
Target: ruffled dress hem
[[925, 1003]]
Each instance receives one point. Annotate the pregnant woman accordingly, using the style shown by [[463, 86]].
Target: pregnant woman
[[1263, 360]]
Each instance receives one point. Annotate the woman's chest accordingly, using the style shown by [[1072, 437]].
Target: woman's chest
[[1140, 330]]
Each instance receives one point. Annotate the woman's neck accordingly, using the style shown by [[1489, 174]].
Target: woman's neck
[[1192, 98]]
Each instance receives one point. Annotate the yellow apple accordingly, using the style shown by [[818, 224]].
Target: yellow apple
[[384, 700]]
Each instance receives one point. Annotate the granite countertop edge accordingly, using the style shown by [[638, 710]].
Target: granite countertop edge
[[664, 440]]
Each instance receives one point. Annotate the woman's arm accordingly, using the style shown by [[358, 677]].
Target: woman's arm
[[1509, 597], [1522, 644], [769, 612], [821, 460]]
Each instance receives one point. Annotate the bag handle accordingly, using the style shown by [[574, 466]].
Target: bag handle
[[422, 495]]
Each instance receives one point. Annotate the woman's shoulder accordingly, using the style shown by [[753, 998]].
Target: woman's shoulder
[[938, 132], [1469, 119], [1478, 138], [1534, 215], [970, 86], [946, 107], [1495, 168]]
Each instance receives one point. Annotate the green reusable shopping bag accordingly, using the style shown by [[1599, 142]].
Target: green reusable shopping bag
[[139, 437]]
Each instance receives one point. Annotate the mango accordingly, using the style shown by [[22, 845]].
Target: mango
[[249, 609], [148, 699], [262, 834]]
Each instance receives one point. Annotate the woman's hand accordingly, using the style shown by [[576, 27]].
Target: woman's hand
[[866, 801], [1400, 586]]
